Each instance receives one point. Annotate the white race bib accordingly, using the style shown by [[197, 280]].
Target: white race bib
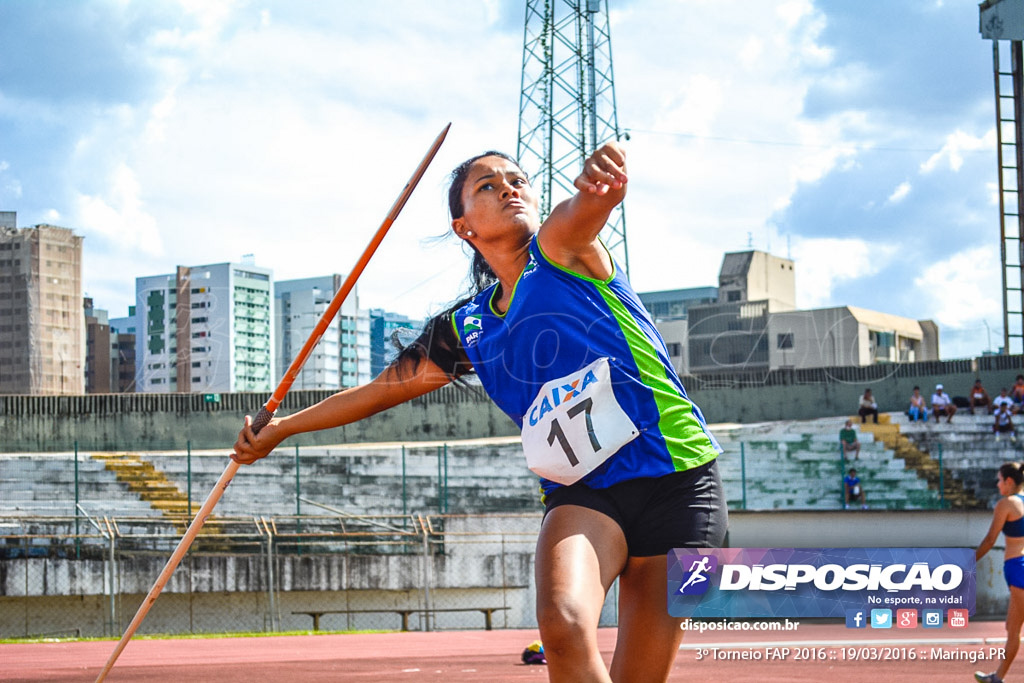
[[574, 424]]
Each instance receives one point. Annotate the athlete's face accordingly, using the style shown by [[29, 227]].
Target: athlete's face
[[497, 197], [1006, 487]]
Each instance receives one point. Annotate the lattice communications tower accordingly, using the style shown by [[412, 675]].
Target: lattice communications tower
[[1003, 20], [567, 101]]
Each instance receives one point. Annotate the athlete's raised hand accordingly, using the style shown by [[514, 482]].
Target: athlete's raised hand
[[604, 170]]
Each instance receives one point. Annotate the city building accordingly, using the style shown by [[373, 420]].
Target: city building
[[670, 309], [122, 353], [673, 304], [205, 329], [341, 359], [385, 329], [755, 325], [42, 325], [98, 356]]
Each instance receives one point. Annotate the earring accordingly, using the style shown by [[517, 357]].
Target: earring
[[469, 233]]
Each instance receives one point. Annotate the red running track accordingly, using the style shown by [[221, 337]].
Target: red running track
[[463, 656]]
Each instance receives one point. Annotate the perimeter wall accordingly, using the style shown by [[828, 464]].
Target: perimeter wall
[[171, 421], [224, 593]]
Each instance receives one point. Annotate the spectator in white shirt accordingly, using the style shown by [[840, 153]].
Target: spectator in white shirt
[[868, 407], [942, 404], [1004, 398]]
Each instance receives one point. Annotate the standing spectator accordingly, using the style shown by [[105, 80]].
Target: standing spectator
[[918, 410], [852, 490], [1004, 424], [1017, 393], [979, 397], [942, 404], [868, 407], [848, 438], [1004, 399]]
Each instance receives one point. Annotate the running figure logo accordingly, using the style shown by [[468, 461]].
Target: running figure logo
[[695, 581]]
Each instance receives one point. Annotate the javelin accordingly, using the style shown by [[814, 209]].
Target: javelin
[[270, 407]]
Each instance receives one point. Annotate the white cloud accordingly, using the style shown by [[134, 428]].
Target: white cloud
[[958, 290], [821, 263], [956, 144], [262, 130], [119, 216], [900, 193]]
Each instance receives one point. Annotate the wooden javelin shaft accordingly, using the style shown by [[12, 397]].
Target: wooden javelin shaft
[[267, 411]]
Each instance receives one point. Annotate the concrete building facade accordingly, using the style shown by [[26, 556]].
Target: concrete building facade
[[122, 352], [342, 357], [205, 329], [42, 325], [99, 378], [754, 324]]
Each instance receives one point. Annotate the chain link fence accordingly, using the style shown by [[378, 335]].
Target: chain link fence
[[268, 574]]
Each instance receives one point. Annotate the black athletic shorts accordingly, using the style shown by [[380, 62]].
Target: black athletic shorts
[[679, 510]]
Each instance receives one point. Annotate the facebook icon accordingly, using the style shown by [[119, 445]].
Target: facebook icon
[[856, 618]]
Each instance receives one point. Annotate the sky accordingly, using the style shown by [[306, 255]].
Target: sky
[[857, 138]]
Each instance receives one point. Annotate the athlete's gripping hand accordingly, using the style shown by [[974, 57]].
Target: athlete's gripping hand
[[604, 170], [250, 446]]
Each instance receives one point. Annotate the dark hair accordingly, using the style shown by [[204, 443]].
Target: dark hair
[[917, 388], [1012, 470]]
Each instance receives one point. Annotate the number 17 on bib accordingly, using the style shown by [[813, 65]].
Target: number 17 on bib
[[574, 424]]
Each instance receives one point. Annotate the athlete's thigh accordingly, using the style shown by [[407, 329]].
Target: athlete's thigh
[[580, 551], [648, 637]]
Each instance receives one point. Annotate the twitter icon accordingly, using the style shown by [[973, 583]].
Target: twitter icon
[[881, 618]]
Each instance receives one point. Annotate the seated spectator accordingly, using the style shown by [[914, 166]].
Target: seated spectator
[[868, 407], [942, 404], [852, 490], [1004, 424], [848, 438], [918, 410], [979, 397], [1004, 399], [1017, 392]]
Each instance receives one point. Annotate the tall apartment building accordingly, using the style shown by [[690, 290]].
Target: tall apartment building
[[205, 329], [122, 353], [342, 357], [98, 357], [42, 325]]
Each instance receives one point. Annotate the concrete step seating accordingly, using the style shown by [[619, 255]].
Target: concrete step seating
[[787, 465], [798, 465], [44, 484], [481, 476], [969, 449]]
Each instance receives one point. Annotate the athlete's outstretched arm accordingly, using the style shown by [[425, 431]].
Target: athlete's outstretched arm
[[397, 384], [569, 234]]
